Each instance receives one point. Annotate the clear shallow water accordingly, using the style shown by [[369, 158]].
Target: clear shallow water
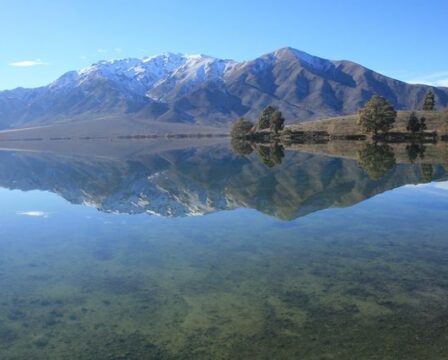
[[309, 259]]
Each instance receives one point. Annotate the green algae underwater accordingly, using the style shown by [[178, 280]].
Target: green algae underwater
[[310, 275]]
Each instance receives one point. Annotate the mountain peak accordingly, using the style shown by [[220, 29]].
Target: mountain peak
[[167, 56], [304, 58]]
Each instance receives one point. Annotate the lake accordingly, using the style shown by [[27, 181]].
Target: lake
[[182, 252]]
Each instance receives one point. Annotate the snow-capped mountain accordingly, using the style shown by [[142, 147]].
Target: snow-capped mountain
[[199, 89], [142, 76]]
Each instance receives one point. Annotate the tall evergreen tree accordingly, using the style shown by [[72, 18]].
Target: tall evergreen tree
[[430, 102], [377, 115]]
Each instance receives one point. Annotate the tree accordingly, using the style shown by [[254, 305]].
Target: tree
[[241, 128], [376, 160], [277, 121], [377, 115], [271, 118], [430, 102], [264, 121]]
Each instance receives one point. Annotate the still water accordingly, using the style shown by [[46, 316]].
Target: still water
[[204, 254]]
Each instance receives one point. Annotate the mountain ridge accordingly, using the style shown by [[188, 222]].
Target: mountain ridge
[[204, 90]]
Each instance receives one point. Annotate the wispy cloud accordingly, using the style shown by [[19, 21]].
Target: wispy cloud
[[34, 214], [435, 79], [83, 57], [101, 51], [28, 63], [118, 50]]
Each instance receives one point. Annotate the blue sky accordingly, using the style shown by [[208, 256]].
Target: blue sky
[[42, 39]]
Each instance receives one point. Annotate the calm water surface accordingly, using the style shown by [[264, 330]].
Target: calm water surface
[[202, 254]]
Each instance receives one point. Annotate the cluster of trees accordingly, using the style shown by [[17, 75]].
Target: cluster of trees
[[378, 115], [243, 133], [270, 118]]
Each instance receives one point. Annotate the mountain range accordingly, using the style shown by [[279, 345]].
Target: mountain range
[[203, 90]]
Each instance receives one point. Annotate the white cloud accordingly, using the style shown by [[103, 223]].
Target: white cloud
[[118, 50], [101, 51], [434, 79], [83, 57], [34, 214], [28, 63]]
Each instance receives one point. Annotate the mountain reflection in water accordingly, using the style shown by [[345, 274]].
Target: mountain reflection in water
[[368, 280], [197, 181]]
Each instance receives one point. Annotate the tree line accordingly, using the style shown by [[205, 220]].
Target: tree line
[[376, 117], [271, 119]]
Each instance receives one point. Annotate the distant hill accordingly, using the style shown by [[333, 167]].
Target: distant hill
[[202, 90]]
